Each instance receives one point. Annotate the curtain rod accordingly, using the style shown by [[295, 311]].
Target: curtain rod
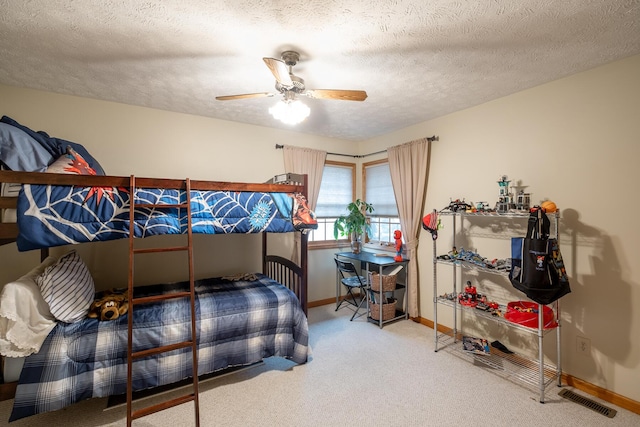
[[359, 156]]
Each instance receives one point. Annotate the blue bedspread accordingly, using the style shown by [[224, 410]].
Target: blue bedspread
[[60, 215], [239, 323]]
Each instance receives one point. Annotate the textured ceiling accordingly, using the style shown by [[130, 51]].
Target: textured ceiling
[[416, 59]]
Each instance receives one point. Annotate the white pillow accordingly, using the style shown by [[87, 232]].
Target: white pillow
[[25, 318], [68, 288]]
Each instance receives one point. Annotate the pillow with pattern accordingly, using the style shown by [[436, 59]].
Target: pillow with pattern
[[71, 163], [68, 288]]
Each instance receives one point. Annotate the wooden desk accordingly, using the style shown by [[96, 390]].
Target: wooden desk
[[368, 262]]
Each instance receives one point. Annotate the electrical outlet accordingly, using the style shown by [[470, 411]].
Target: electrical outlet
[[583, 345]]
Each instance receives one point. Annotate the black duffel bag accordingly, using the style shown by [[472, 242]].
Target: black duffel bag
[[537, 268]]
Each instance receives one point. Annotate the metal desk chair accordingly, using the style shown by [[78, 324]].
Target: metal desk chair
[[351, 280]]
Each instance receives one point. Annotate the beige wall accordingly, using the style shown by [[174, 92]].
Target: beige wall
[[574, 141], [153, 143]]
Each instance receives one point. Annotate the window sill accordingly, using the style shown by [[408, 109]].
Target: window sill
[[381, 246], [329, 244]]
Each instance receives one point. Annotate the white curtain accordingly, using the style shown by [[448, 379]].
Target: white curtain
[[306, 161], [408, 165], [310, 162]]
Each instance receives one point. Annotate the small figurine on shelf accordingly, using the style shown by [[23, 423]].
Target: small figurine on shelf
[[397, 235], [470, 296]]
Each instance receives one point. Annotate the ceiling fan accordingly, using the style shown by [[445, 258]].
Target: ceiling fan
[[291, 85]]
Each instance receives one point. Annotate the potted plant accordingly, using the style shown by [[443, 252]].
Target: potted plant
[[354, 224]]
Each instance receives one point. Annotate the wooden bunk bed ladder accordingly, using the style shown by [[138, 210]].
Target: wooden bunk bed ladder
[[192, 343]]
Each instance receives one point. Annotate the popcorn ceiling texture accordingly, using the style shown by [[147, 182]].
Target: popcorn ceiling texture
[[416, 59]]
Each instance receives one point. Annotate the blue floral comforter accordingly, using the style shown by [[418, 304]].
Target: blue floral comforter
[[60, 215]]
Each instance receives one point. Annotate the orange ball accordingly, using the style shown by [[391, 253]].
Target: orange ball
[[549, 206]]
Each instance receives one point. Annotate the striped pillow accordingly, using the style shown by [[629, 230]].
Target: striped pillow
[[68, 288]]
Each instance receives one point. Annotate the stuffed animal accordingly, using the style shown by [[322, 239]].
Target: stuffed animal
[[109, 306]]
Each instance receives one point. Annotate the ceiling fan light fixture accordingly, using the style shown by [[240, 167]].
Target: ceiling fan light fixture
[[290, 112]]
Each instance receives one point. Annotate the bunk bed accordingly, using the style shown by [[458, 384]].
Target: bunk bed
[[55, 209]]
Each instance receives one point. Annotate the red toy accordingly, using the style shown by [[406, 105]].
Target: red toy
[[398, 236], [469, 297]]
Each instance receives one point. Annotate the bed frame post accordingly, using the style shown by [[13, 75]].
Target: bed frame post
[[304, 243], [304, 250], [264, 253]]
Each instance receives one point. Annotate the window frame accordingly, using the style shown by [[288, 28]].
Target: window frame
[[331, 242]]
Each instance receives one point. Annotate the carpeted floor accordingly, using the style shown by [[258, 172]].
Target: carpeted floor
[[358, 375]]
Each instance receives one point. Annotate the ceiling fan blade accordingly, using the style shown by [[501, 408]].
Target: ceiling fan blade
[[244, 96], [279, 70], [344, 95]]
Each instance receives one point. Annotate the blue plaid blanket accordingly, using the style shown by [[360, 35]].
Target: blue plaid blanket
[[55, 215], [239, 323]]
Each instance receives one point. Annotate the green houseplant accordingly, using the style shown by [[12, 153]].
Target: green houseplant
[[354, 224]]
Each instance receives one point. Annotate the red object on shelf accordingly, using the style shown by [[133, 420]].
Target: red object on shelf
[[469, 303], [525, 313], [469, 297]]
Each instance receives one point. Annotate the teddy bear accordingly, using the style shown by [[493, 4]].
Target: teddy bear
[[109, 306]]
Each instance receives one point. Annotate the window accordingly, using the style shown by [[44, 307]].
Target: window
[[335, 194], [378, 191]]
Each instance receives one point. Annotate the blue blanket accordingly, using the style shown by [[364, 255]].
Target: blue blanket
[[60, 215], [239, 323]]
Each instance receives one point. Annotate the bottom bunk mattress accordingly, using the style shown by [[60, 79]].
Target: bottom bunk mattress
[[240, 322]]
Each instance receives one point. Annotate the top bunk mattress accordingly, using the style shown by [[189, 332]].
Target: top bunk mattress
[[55, 215]]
